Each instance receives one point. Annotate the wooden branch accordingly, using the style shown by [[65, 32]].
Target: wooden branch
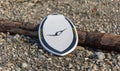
[[99, 40], [19, 28], [91, 39]]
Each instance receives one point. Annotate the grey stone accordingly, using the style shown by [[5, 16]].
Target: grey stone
[[99, 55]]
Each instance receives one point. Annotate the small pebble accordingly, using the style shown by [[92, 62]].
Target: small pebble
[[68, 59], [1, 68], [110, 62], [49, 59], [18, 69], [95, 67], [24, 65], [99, 55], [72, 70], [102, 31], [109, 56], [70, 65], [80, 48], [78, 67], [86, 58], [118, 58], [41, 51], [9, 64], [3, 35]]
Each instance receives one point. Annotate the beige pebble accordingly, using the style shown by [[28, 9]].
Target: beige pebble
[[24, 65]]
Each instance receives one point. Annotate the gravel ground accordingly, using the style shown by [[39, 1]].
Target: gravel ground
[[22, 53]]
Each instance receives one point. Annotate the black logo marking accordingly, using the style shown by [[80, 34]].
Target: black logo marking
[[58, 33]]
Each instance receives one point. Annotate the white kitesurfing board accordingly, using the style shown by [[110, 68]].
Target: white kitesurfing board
[[57, 34]]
